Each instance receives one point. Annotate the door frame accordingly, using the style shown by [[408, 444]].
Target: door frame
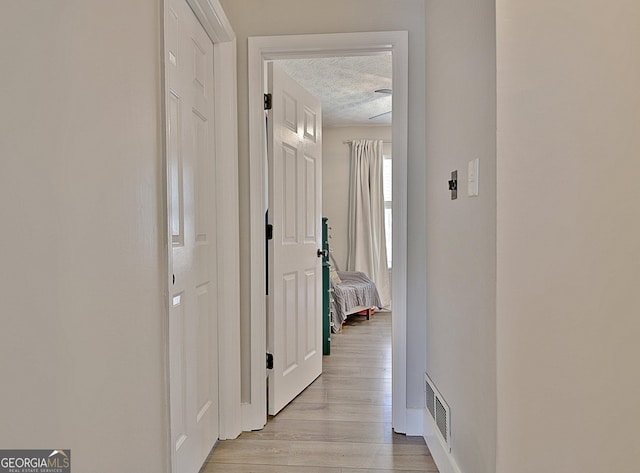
[[265, 48], [225, 196]]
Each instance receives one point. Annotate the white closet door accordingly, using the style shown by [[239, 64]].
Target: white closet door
[[193, 347]]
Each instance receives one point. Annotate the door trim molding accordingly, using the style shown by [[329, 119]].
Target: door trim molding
[[215, 23], [266, 48], [213, 20], [228, 238]]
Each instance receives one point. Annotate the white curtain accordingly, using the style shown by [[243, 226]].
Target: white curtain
[[367, 241]]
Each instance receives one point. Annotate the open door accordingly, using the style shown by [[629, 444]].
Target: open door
[[193, 336], [294, 306]]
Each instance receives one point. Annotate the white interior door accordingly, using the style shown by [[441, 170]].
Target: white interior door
[[193, 348], [294, 326]]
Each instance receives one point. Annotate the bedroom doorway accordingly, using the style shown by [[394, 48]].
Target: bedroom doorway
[[356, 96], [261, 50]]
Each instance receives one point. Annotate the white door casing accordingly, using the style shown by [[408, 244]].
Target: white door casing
[[294, 314], [193, 347]]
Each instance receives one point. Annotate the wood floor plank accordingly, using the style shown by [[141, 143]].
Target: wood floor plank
[[404, 457], [251, 452], [323, 411], [331, 431], [353, 455], [328, 381], [354, 361], [357, 372], [343, 454], [349, 396], [323, 430], [234, 468], [340, 424], [376, 470]]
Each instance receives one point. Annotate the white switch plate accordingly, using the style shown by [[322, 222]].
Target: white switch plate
[[472, 178]]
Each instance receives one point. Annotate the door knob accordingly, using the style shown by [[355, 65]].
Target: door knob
[[322, 253]]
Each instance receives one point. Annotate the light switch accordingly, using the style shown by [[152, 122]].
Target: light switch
[[472, 178]]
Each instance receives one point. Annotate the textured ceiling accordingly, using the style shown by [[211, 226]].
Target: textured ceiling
[[345, 86]]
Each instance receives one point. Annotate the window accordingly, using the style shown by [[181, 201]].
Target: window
[[388, 201]]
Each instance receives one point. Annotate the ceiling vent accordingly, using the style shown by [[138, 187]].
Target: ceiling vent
[[438, 410]]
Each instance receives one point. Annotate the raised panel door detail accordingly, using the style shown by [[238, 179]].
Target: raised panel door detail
[[310, 333], [310, 125], [290, 111], [199, 65], [172, 37], [290, 298], [202, 175], [178, 331], [175, 170], [310, 200], [290, 194], [204, 346]]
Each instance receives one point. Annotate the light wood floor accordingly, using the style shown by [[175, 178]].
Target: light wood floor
[[339, 424]]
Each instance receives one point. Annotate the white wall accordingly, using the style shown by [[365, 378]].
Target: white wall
[[81, 343], [568, 233], [280, 17], [336, 159], [461, 240]]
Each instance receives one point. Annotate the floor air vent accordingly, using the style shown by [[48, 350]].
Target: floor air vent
[[439, 411]]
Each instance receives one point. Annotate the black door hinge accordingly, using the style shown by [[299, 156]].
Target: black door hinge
[[267, 101], [269, 231], [269, 361], [453, 185]]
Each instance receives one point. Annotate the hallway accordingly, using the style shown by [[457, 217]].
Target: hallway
[[339, 424]]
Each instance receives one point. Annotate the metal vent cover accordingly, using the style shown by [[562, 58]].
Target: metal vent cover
[[430, 399], [439, 410], [442, 419]]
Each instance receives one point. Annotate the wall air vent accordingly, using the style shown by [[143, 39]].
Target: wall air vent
[[430, 398], [438, 410]]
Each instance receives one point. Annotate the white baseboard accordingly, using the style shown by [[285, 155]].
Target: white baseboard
[[415, 422], [439, 451]]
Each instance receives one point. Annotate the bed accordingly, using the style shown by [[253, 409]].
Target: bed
[[351, 292]]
